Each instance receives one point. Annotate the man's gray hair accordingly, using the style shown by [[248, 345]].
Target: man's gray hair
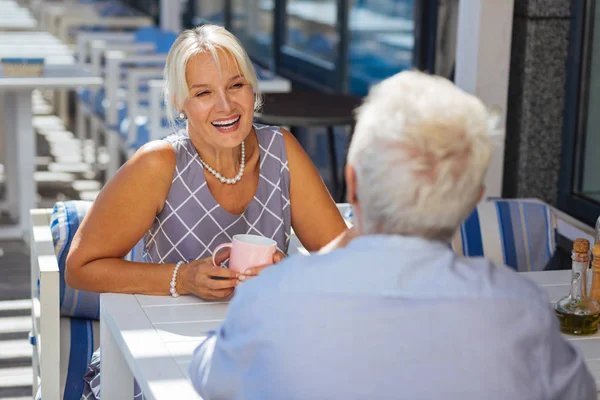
[[420, 151]]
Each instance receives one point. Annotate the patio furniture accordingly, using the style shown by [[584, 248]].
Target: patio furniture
[[520, 233], [65, 322], [20, 138]]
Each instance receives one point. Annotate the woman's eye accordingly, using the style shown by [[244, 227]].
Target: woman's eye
[[237, 85], [201, 94]]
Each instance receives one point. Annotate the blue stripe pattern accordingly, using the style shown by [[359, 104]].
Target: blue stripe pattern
[[65, 221], [507, 234], [520, 234], [82, 343], [471, 234]]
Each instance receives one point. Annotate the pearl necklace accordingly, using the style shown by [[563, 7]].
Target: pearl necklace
[[229, 181]]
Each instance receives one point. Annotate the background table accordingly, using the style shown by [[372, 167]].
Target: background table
[[19, 140], [13, 16], [153, 337]]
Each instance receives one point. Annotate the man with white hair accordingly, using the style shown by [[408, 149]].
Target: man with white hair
[[390, 312]]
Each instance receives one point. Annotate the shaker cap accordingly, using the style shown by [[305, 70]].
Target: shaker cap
[[596, 251], [581, 245]]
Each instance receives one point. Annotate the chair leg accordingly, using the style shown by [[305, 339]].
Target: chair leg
[[333, 162]]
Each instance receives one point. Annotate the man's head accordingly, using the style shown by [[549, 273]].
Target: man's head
[[418, 157]]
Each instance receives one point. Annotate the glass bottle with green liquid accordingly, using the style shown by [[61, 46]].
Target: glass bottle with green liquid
[[578, 314]]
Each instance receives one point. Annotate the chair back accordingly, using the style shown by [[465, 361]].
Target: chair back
[[79, 309], [520, 233]]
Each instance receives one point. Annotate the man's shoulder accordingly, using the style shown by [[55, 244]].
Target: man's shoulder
[[505, 282]]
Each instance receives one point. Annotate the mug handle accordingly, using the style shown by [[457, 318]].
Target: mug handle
[[219, 247]]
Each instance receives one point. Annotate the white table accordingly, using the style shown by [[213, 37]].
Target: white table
[[35, 44], [20, 139], [14, 17], [557, 285], [153, 337]]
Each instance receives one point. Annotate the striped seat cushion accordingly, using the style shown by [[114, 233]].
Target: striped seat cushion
[[65, 220], [79, 338], [520, 233]]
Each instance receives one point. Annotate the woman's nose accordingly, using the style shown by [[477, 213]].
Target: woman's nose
[[224, 103]]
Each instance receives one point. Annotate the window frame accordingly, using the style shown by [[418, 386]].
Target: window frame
[[575, 115]]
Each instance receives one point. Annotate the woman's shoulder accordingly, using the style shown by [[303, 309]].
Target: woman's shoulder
[[266, 130], [265, 134], [178, 136], [157, 156]]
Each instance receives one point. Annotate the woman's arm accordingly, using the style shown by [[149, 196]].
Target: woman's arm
[[315, 217], [118, 219]]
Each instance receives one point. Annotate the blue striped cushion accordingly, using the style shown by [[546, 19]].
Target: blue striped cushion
[[65, 220], [79, 338], [66, 217], [520, 233]]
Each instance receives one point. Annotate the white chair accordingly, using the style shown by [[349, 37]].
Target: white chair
[[66, 328]]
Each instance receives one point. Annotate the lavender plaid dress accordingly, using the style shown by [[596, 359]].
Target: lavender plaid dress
[[192, 223]]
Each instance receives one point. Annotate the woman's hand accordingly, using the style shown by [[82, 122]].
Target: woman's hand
[[207, 281], [250, 272]]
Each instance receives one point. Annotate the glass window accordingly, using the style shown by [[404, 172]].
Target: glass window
[[208, 11], [252, 23], [579, 180], [588, 184], [311, 29], [381, 41]]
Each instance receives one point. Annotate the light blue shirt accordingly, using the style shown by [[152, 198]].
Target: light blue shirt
[[390, 317]]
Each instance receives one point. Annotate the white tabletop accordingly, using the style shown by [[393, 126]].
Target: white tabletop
[[53, 77], [35, 44], [158, 334], [557, 285], [40, 37], [15, 17]]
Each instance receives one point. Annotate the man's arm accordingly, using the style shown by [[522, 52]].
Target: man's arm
[[201, 363], [220, 365]]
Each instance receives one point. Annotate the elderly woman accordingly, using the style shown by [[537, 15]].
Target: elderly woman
[[221, 175]]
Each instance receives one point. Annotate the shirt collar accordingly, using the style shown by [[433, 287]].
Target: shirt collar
[[396, 242]]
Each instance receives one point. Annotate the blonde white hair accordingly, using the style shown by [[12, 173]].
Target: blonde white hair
[[211, 39], [420, 152]]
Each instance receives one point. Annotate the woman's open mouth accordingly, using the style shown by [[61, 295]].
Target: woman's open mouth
[[227, 125]]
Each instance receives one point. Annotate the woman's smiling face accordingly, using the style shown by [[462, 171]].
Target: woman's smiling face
[[220, 103]]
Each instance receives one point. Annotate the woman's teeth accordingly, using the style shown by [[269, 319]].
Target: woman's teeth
[[226, 124]]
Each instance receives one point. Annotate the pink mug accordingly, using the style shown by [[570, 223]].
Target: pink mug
[[248, 251]]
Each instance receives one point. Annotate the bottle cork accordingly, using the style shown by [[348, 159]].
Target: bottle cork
[[581, 245], [595, 288]]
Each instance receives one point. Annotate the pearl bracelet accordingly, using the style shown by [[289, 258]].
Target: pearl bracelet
[[174, 279]]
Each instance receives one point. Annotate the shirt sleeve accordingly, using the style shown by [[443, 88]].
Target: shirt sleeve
[[567, 375], [221, 363]]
